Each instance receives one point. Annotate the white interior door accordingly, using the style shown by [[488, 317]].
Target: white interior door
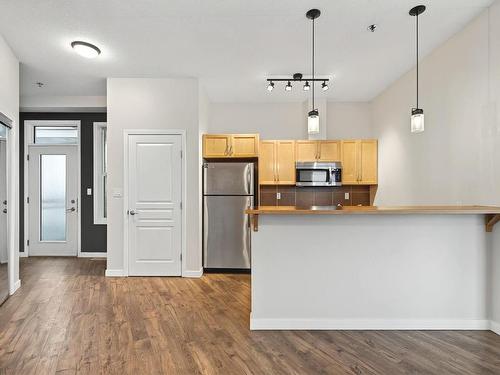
[[154, 204], [3, 203], [53, 200]]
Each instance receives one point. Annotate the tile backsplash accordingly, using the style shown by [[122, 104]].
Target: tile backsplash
[[314, 196]]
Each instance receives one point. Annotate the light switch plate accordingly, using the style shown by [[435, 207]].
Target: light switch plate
[[89, 191], [278, 196], [117, 193], [346, 196]]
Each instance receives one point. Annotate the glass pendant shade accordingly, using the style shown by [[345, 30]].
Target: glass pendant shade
[[417, 120], [313, 122]]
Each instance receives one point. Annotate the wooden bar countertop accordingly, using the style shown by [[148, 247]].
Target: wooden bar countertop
[[491, 213]]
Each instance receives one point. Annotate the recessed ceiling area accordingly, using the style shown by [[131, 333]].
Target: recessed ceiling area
[[230, 45]]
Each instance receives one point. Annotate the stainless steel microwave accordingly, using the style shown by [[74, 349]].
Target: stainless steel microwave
[[318, 174]]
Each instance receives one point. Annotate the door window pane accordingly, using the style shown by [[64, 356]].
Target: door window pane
[[3, 131], [56, 135], [53, 198]]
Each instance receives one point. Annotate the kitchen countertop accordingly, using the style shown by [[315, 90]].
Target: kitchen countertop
[[492, 213]]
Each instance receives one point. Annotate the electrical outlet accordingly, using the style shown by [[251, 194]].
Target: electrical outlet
[[278, 196], [346, 196], [89, 191]]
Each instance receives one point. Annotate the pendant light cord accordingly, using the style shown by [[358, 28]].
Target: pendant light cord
[[313, 108], [417, 65]]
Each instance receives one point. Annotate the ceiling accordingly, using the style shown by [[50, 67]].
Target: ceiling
[[231, 45]]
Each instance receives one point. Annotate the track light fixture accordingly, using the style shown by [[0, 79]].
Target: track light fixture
[[270, 86], [306, 86], [324, 86], [288, 86]]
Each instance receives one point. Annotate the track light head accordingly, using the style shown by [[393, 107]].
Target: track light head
[[307, 87], [324, 86], [270, 86], [288, 86]]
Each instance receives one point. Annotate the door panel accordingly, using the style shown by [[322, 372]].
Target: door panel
[[154, 201], [216, 146], [306, 150], [349, 162], [53, 200], [244, 145], [227, 231], [285, 163], [369, 162], [267, 163], [329, 151], [4, 256]]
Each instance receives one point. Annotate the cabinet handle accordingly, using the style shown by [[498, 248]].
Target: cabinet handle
[[231, 150]]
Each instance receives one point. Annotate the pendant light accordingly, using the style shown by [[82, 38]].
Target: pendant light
[[313, 115], [417, 114]]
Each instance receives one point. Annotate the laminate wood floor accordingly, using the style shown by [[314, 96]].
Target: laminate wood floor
[[67, 318]]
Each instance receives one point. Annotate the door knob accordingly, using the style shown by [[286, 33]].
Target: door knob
[[4, 210], [132, 212], [72, 209]]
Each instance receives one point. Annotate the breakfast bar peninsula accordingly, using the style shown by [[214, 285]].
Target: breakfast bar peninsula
[[371, 267]]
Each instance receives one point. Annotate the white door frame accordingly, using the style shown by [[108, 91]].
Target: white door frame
[[29, 133], [126, 134]]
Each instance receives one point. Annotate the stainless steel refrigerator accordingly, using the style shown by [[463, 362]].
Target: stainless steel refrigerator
[[228, 190]]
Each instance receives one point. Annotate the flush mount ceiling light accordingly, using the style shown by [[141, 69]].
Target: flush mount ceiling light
[[85, 49], [417, 114]]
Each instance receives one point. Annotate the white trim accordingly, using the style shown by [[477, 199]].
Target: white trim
[[90, 254], [29, 135], [97, 155], [368, 324], [15, 287], [115, 273], [23, 254], [193, 274], [495, 327], [126, 134]]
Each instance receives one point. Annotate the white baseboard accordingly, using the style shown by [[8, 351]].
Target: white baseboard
[[193, 274], [15, 287], [114, 273], [23, 254], [88, 254], [366, 324], [495, 327]]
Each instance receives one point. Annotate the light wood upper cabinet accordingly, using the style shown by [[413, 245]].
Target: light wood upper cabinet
[[329, 151], [349, 162], [306, 150], [267, 163], [317, 150], [277, 163], [244, 145], [216, 146], [285, 162], [359, 162], [369, 162], [230, 145]]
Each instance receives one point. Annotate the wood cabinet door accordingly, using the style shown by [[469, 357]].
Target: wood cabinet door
[[285, 162], [306, 150], [216, 146], [244, 145], [368, 162], [267, 163], [329, 151], [349, 161]]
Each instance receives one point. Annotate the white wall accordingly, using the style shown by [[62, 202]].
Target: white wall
[[44, 103], [153, 104], [9, 105], [288, 120], [457, 159]]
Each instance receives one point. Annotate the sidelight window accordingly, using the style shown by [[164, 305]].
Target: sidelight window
[[100, 172]]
